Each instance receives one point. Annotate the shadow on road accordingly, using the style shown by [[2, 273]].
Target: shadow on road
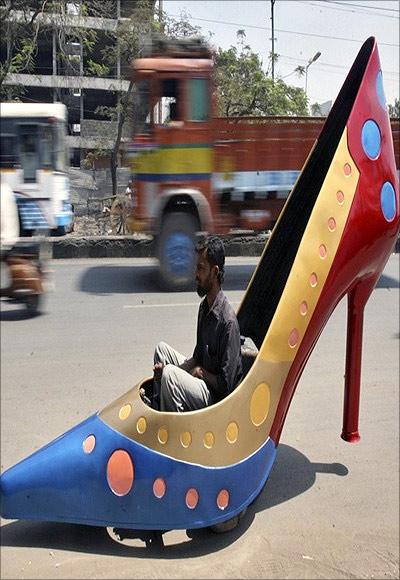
[[15, 311], [293, 474], [139, 279]]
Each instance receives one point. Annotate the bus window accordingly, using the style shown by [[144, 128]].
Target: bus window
[[198, 100], [29, 151], [8, 156], [141, 113], [60, 151], [46, 146]]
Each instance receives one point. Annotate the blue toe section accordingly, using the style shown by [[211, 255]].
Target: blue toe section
[[62, 482]]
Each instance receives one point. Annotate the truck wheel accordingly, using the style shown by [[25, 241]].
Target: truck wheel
[[175, 251]]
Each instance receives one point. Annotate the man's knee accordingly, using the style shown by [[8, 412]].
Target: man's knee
[[171, 389], [160, 352]]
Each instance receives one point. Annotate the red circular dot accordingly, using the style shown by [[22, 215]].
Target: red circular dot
[[192, 498], [120, 472], [159, 487], [223, 499], [322, 251], [293, 338], [313, 279], [303, 308], [347, 169], [340, 196], [89, 444]]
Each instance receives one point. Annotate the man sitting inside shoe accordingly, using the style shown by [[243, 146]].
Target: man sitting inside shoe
[[185, 384]]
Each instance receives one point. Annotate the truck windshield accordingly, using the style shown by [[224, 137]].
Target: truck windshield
[[141, 113]]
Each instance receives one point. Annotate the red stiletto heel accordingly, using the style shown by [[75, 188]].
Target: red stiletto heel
[[357, 299]]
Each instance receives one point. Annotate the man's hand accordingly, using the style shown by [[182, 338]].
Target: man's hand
[[197, 372], [158, 371]]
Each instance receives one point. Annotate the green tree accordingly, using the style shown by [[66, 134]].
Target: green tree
[[245, 89], [22, 21], [394, 110]]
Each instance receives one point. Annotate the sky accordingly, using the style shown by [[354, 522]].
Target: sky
[[335, 28]]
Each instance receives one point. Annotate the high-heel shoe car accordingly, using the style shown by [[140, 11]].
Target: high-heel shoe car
[[130, 466]]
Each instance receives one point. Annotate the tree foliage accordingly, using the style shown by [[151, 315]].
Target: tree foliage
[[394, 110], [244, 88]]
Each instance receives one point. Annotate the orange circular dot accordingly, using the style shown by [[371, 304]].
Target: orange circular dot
[[322, 251], [303, 308], [340, 197], [223, 499], [331, 224], [120, 472], [89, 444], [347, 169], [192, 498], [313, 280], [293, 338], [159, 487]]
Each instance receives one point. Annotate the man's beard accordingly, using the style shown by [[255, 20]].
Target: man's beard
[[203, 290]]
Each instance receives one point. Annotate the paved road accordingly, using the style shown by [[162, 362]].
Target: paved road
[[329, 509]]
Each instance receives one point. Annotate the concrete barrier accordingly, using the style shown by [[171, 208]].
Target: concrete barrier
[[136, 247]]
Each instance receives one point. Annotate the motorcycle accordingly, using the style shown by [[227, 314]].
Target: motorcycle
[[23, 274]]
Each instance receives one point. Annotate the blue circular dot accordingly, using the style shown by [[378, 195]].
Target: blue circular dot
[[388, 201], [379, 90], [371, 139]]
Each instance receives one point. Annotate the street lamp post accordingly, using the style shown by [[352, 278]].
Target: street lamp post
[[313, 59]]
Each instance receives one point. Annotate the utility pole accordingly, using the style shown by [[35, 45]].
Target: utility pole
[[273, 41]]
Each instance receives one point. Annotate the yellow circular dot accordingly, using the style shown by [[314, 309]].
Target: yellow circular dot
[[259, 404], [208, 439], [232, 432], [186, 438], [141, 425], [124, 412], [162, 435]]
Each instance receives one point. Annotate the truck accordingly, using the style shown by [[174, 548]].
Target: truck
[[194, 172]]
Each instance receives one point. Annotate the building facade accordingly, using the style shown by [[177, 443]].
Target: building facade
[[72, 46]]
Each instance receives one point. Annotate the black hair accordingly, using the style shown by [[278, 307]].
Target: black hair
[[215, 253]]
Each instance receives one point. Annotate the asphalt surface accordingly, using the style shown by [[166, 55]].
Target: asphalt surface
[[329, 509]]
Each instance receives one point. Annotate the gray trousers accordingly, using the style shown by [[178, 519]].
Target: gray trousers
[[178, 390]]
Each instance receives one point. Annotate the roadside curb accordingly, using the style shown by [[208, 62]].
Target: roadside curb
[[132, 247]]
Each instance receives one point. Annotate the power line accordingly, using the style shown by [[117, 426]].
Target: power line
[[308, 34], [353, 11], [359, 5]]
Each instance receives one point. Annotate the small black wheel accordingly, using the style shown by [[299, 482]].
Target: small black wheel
[[175, 251], [32, 303], [228, 525]]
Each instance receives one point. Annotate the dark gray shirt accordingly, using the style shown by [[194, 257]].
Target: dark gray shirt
[[218, 344]]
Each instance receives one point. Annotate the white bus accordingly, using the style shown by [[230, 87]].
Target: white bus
[[33, 162]]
